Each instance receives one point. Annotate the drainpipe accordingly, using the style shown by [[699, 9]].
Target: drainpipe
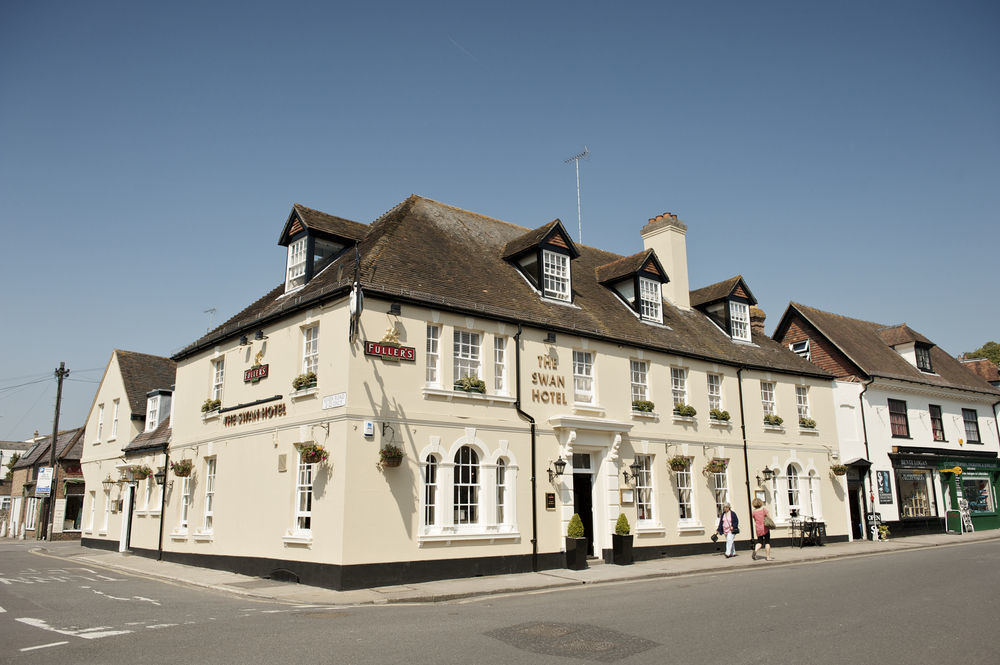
[[868, 456], [163, 501], [746, 461], [534, 479]]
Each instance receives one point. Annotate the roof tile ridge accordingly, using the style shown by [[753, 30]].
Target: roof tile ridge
[[479, 214], [800, 307]]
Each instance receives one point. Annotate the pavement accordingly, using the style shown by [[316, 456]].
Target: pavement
[[451, 589]]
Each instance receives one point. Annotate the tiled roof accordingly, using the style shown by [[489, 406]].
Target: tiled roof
[[66, 448], [985, 369], [629, 265], [155, 440], [863, 343], [719, 291], [434, 254], [528, 240], [15, 445], [142, 373], [338, 226], [902, 334]]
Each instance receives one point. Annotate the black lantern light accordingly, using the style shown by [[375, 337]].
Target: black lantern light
[[768, 474], [636, 468], [560, 466]]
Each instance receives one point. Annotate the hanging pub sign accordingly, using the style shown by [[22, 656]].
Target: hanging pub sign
[[390, 351]]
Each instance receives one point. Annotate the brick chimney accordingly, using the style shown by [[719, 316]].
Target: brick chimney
[[667, 236], [757, 317]]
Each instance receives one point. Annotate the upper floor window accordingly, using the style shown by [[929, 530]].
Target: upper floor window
[[678, 385], [937, 423], [639, 371], [583, 377], [767, 397], [218, 374], [500, 364], [923, 358], [555, 275], [433, 356], [296, 264], [467, 354], [114, 420], [899, 424], [802, 401], [739, 316], [971, 419], [310, 349], [100, 421], [714, 392], [650, 300], [802, 349], [152, 413]]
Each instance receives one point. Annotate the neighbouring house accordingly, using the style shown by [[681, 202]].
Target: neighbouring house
[[9, 452], [124, 446], [917, 428], [437, 393], [66, 485], [984, 368]]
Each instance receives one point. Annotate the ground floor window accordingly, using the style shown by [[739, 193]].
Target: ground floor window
[[720, 488], [30, 513], [304, 497], [644, 488], [979, 493], [916, 499], [684, 494]]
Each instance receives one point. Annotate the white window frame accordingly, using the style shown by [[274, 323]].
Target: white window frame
[[107, 511], [467, 475], [583, 377], [801, 348], [185, 504], [296, 265], [645, 495], [650, 300], [813, 490], [739, 317], [767, 398], [209, 512], [432, 513], [556, 280], [30, 513], [794, 489], [152, 413], [500, 364], [776, 497], [218, 377], [114, 420], [310, 349], [714, 383], [685, 492], [467, 354], [639, 378], [93, 510], [802, 401], [678, 385], [720, 490], [100, 422], [433, 355], [147, 496], [302, 525], [501, 491]]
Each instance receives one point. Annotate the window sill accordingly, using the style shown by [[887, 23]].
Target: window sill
[[179, 535], [592, 409], [111, 440], [211, 415], [645, 415], [690, 527], [451, 395], [774, 428], [448, 538], [203, 536], [305, 392], [298, 539], [650, 529], [720, 423], [684, 419], [808, 430]]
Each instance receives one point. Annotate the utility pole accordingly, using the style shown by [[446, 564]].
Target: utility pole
[[48, 514]]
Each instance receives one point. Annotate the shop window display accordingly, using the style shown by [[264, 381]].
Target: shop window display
[[979, 494], [915, 496]]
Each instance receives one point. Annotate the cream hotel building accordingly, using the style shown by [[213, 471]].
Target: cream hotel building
[[523, 377]]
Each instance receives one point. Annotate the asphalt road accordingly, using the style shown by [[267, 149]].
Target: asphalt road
[[924, 606]]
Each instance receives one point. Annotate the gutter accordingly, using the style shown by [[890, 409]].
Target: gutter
[[534, 464]]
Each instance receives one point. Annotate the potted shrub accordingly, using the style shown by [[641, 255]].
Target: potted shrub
[[678, 463], [313, 453], [685, 410], [471, 384], [621, 542], [807, 423], [720, 415], [391, 456], [182, 468], [643, 405], [773, 419], [141, 472], [210, 405], [303, 381], [883, 532], [839, 469], [716, 465], [576, 544]]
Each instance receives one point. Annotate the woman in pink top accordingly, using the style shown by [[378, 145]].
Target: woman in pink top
[[763, 533]]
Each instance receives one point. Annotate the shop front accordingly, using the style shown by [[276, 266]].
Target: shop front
[[973, 480]]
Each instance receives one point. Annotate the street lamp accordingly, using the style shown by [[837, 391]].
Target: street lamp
[[108, 483]]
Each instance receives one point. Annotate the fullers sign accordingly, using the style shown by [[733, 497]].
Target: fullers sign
[[390, 351], [255, 373]]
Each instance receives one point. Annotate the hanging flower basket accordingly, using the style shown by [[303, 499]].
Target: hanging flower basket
[[678, 463], [313, 453], [839, 469], [389, 457], [716, 465], [182, 468], [141, 472]]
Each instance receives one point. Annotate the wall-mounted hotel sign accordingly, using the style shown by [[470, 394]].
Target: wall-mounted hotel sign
[[390, 351], [255, 374], [254, 415]]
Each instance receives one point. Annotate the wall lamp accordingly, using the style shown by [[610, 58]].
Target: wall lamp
[[636, 468], [395, 308], [244, 341], [560, 466], [550, 338], [108, 483], [768, 474], [160, 476], [259, 335]]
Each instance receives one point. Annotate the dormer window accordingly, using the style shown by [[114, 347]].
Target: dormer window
[[923, 358], [638, 281], [555, 275], [650, 300], [314, 241], [152, 413], [296, 265], [739, 320], [543, 258]]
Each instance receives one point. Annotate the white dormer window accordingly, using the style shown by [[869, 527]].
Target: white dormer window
[[555, 273], [650, 300], [296, 264], [801, 348], [739, 317], [152, 413]]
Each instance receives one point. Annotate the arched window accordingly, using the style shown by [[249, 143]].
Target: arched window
[[793, 489], [466, 486], [430, 491], [501, 490]]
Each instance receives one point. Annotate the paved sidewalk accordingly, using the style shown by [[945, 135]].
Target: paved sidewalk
[[441, 590]]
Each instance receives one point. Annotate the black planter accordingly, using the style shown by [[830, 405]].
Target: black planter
[[622, 548], [576, 553]]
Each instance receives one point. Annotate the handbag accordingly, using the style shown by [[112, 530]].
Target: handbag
[[769, 523], [736, 529], [714, 537]]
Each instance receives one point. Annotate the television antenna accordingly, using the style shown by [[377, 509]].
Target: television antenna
[[579, 216], [211, 317]]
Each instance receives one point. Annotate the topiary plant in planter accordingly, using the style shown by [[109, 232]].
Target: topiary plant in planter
[[621, 542], [643, 405], [719, 414], [210, 405], [576, 544], [685, 410]]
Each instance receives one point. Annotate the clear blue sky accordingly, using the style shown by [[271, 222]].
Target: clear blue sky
[[844, 155]]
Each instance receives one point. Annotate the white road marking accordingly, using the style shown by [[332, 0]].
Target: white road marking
[[87, 634], [2, 610], [44, 646], [163, 625]]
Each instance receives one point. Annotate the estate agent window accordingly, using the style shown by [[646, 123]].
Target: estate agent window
[[899, 424], [916, 497], [978, 491], [971, 419]]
